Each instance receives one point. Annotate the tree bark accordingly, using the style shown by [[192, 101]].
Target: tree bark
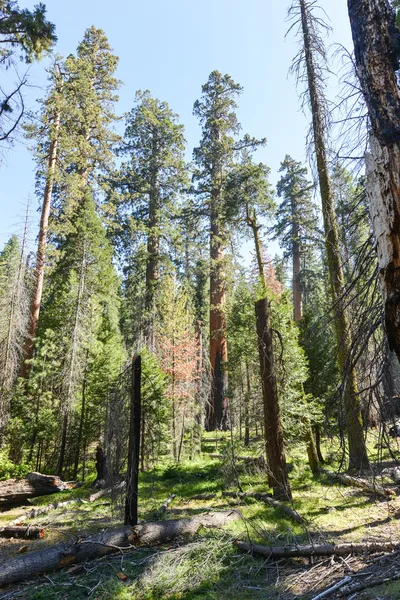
[[41, 252], [297, 297], [358, 458], [311, 448], [27, 533], [148, 534], [247, 408], [216, 417], [17, 491], [131, 503], [276, 552], [278, 478]]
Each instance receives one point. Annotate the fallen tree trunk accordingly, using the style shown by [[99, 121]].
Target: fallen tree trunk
[[164, 507], [108, 491], [14, 491], [147, 534], [371, 488], [43, 510], [319, 550], [28, 533], [290, 512], [203, 497]]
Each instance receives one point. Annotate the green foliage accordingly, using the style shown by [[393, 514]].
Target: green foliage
[[27, 30], [9, 470]]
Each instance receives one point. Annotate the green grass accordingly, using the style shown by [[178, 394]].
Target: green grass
[[208, 567]]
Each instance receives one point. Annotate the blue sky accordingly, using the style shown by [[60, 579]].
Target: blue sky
[[170, 47]]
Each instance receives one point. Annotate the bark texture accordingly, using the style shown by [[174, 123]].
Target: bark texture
[[216, 415], [358, 458], [318, 550], [14, 491], [278, 478], [377, 50]]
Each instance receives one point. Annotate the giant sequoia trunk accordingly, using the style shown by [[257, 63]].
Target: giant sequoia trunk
[[41, 254], [377, 50], [358, 458], [216, 416]]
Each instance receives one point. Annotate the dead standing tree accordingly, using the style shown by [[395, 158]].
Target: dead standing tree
[[310, 67], [377, 53]]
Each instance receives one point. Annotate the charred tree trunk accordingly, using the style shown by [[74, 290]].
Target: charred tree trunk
[[358, 458], [317, 429], [61, 458], [216, 417], [377, 51], [132, 482], [41, 253], [278, 478]]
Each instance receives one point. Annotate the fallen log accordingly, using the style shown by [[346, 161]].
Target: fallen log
[[203, 497], [107, 492], [371, 488], [266, 498], [349, 590], [164, 507], [28, 533], [16, 491], [43, 510], [146, 534], [318, 550]]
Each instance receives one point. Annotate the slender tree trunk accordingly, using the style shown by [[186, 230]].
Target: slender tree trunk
[[61, 458], [247, 397], [132, 482], [41, 253], [81, 419], [297, 296], [317, 429], [278, 479], [311, 448], [377, 51], [216, 417], [358, 458]]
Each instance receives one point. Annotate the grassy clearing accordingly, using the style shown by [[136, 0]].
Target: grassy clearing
[[209, 567]]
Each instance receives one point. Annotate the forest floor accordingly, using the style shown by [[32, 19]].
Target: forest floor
[[209, 566]]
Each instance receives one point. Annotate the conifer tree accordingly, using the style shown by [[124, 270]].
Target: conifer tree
[[296, 222], [150, 183], [214, 159], [30, 34], [14, 297]]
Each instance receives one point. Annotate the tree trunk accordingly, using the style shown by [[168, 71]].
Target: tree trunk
[[358, 458], [41, 253], [81, 419], [297, 299], [278, 479], [50, 559], [317, 429], [377, 50], [18, 532], [131, 504], [277, 552], [61, 458], [311, 448], [247, 396], [17, 491], [216, 417]]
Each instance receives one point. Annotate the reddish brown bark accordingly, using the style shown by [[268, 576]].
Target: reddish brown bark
[[216, 416]]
